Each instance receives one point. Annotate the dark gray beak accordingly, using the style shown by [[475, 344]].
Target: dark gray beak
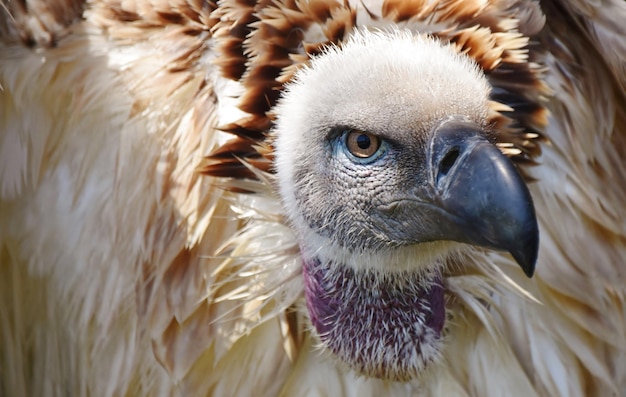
[[468, 192], [484, 199]]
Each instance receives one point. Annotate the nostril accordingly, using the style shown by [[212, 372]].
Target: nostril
[[447, 162]]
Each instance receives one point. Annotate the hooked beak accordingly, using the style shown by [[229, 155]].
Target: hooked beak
[[481, 187], [474, 195]]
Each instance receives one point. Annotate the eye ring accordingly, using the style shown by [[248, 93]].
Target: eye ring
[[361, 144]]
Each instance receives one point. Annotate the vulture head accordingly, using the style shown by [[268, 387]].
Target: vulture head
[[387, 168]]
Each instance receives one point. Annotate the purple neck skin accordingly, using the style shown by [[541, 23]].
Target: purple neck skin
[[387, 327]]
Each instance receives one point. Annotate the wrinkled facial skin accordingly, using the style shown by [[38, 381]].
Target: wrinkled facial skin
[[368, 218]]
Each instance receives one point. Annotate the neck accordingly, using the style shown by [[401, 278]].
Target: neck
[[381, 325]]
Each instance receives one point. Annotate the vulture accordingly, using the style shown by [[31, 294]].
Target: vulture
[[312, 198]]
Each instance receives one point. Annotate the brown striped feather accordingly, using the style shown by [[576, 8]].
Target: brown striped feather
[[264, 49]]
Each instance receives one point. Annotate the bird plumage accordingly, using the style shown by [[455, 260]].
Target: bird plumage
[[126, 272]]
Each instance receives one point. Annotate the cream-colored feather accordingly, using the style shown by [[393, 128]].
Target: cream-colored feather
[[125, 272]]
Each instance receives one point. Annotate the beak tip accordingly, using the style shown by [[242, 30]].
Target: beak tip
[[528, 267], [526, 254]]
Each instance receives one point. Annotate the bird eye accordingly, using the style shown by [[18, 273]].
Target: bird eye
[[362, 144]]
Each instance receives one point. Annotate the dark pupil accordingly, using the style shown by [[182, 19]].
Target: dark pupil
[[363, 141]]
